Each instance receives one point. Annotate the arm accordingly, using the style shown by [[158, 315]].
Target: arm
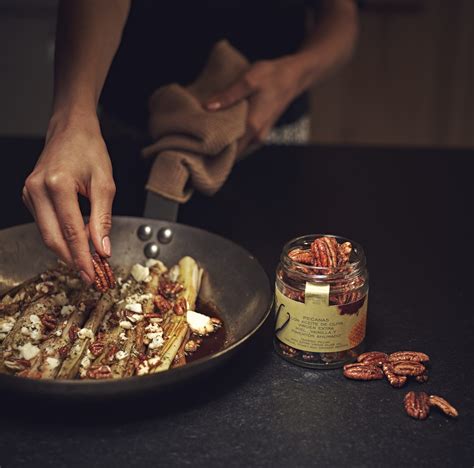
[[75, 159], [272, 84]]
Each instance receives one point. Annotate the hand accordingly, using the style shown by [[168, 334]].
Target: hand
[[269, 87], [74, 160]]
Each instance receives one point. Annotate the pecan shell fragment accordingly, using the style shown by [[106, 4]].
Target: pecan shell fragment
[[443, 405], [359, 371], [417, 405]]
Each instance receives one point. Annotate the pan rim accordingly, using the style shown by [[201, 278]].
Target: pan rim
[[83, 384]]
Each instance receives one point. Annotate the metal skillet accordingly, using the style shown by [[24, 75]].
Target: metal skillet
[[234, 281]]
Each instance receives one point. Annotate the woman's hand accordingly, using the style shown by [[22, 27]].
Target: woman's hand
[[74, 161], [269, 87]]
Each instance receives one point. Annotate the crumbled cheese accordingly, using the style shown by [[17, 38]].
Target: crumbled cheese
[[84, 333], [28, 351], [143, 368], [199, 323], [45, 287], [147, 279], [139, 272], [123, 336], [6, 324], [154, 361], [58, 332], [136, 307], [86, 362], [136, 318], [125, 324], [138, 298], [124, 287], [25, 331], [2, 336], [157, 341], [61, 299], [36, 335], [121, 355], [67, 310], [52, 362], [35, 319], [153, 328]]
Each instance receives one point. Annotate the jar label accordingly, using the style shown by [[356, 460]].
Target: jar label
[[315, 326]]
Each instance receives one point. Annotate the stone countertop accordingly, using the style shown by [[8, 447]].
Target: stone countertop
[[410, 209]]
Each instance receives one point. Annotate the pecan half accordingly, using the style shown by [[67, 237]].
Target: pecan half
[[409, 356], [110, 355], [99, 372], [181, 306], [17, 364], [376, 358], [301, 256], [73, 333], [104, 276], [413, 368], [344, 253], [325, 252], [96, 348], [443, 405], [169, 289], [359, 371], [417, 405], [395, 380], [161, 303], [48, 321], [64, 351]]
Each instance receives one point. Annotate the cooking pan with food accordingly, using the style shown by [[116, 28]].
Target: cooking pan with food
[[233, 281]]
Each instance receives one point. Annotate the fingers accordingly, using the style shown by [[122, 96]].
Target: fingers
[[63, 194], [37, 201], [241, 89], [101, 197]]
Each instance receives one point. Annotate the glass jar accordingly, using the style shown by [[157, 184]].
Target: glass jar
[[320, 312]]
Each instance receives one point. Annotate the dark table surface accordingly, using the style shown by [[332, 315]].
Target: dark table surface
[[412, 211]]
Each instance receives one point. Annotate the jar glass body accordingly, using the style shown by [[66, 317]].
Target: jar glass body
[[320, 313]]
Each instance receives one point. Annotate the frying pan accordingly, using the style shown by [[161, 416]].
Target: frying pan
[[234, 281]]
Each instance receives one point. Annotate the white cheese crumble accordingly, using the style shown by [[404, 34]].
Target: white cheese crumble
[[153, 328], [86, 362], [143, 368], [139, 272], [28, 351], [58, 332], [35, 319], [61, 299], [84, 333], [199, 323], [52, 362], [136, 307], [6, 324], [121, 355], [123, 336], [125, 324], [67, 310], [157, 341]]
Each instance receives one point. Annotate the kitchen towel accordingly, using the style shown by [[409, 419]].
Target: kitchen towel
[[195, 148]]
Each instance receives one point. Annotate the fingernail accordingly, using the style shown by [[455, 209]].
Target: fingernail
[[106, 246], [85, 277], [214, 105]]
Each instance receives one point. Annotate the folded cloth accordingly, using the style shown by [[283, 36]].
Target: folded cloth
[[195, 148]]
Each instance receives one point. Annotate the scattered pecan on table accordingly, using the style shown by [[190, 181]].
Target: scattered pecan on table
[[417, 404], [104, 276], [359, 371]]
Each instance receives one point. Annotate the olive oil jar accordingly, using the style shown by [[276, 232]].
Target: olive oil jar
[[321, 295]]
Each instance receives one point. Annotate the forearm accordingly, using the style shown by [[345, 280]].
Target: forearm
[[87, 37], [330, 43]]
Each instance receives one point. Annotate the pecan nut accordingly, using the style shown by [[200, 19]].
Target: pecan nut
[[162, 304], [325, 252], [359, 371], [181, 306], [443, 405], [96, 348], [409, 356], [99, 372], [395, 380], [301, 256], [376, 358], [48, 321], [104, 276], [412, 368], [417, 405]]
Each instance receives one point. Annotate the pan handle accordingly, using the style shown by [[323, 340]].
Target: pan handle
[[158, 207]]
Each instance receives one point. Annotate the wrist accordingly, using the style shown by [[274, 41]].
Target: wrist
[[73, 119]]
